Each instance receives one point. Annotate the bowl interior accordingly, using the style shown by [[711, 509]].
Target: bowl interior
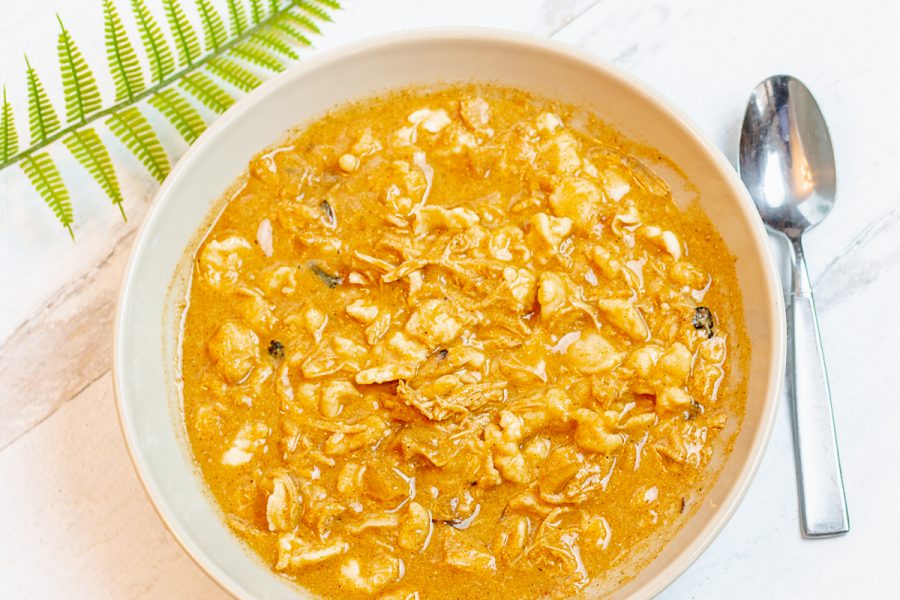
[[146, 342]]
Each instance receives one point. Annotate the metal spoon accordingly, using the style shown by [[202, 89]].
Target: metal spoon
[[787, 163]]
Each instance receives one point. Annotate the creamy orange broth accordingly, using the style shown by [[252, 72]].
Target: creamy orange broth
[[456, 340]]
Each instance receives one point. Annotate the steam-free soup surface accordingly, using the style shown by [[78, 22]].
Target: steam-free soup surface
[[444, 342]]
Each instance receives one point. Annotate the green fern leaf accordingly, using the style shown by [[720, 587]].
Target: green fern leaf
[[158, 52], [274, 6], [214, 33], [256, 12], [89, 150], [292, 32], [207, 91], [258, 56], [133, 129], [330, 4], [44, 176], [233, 73], [302, 21], [79, 86], [123, 61], [238, 17], [41, 115], [186, 42], [312, 9], [180, 114], [9, 139], [273, 42]]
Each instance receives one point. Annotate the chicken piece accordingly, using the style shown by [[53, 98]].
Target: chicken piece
[[578, 199], [434, 322], [674, 364], [219, 261], [340, 443], [591, 354], [475, 112], [552, 294], [664, 240], [429, 218], [295, 552], [594, 432], [415, 528], [624, 316], [522, 284], [673, 399], [362, 311], [369, 578], [283, 504], [511, 538], [432, 121], [383, 483], [252, 436], [255, 310], [551, 231], [234, 350], [466, 553]]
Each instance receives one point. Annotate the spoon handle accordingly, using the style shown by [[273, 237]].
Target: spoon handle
[[822, 501]]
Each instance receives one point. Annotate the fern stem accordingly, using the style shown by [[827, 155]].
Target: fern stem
[[172, 79]]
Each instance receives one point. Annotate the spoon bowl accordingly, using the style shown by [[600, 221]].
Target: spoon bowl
[[786, 158]]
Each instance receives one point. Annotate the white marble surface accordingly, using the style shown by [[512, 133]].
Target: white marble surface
[[75, 523]]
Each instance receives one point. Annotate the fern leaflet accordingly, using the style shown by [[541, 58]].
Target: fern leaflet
[[87, 148], [79, 86], [238, 17], [214, 33], [312, 9], [44, 176], [123, 61], [207, 91], [258, 56], [233, 73], [180, 113], [133, 130], [42, 117], [256, 12], [9, 139], [273, 42], [186, 42], [161, 62]]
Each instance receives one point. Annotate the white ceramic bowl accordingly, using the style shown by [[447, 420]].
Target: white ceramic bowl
[[146, 343]]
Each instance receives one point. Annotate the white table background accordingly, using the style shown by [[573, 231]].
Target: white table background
[[74, 522]]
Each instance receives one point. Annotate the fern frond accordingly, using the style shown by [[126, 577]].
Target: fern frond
[[302, 21], [262, 32], [312, 9], [207, 91], [133, 130], [42, 117], [214, 34], [89, 150], [256, 12], [258, 56], [233, 73], [155, 46], [238, 17], [273, 42], [186, 42], [292, 32], [44, 176], [9, 139], [180, 114], [79, 86], [123, 62]]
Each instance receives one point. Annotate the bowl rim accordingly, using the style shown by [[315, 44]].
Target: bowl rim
[[321, 60]]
